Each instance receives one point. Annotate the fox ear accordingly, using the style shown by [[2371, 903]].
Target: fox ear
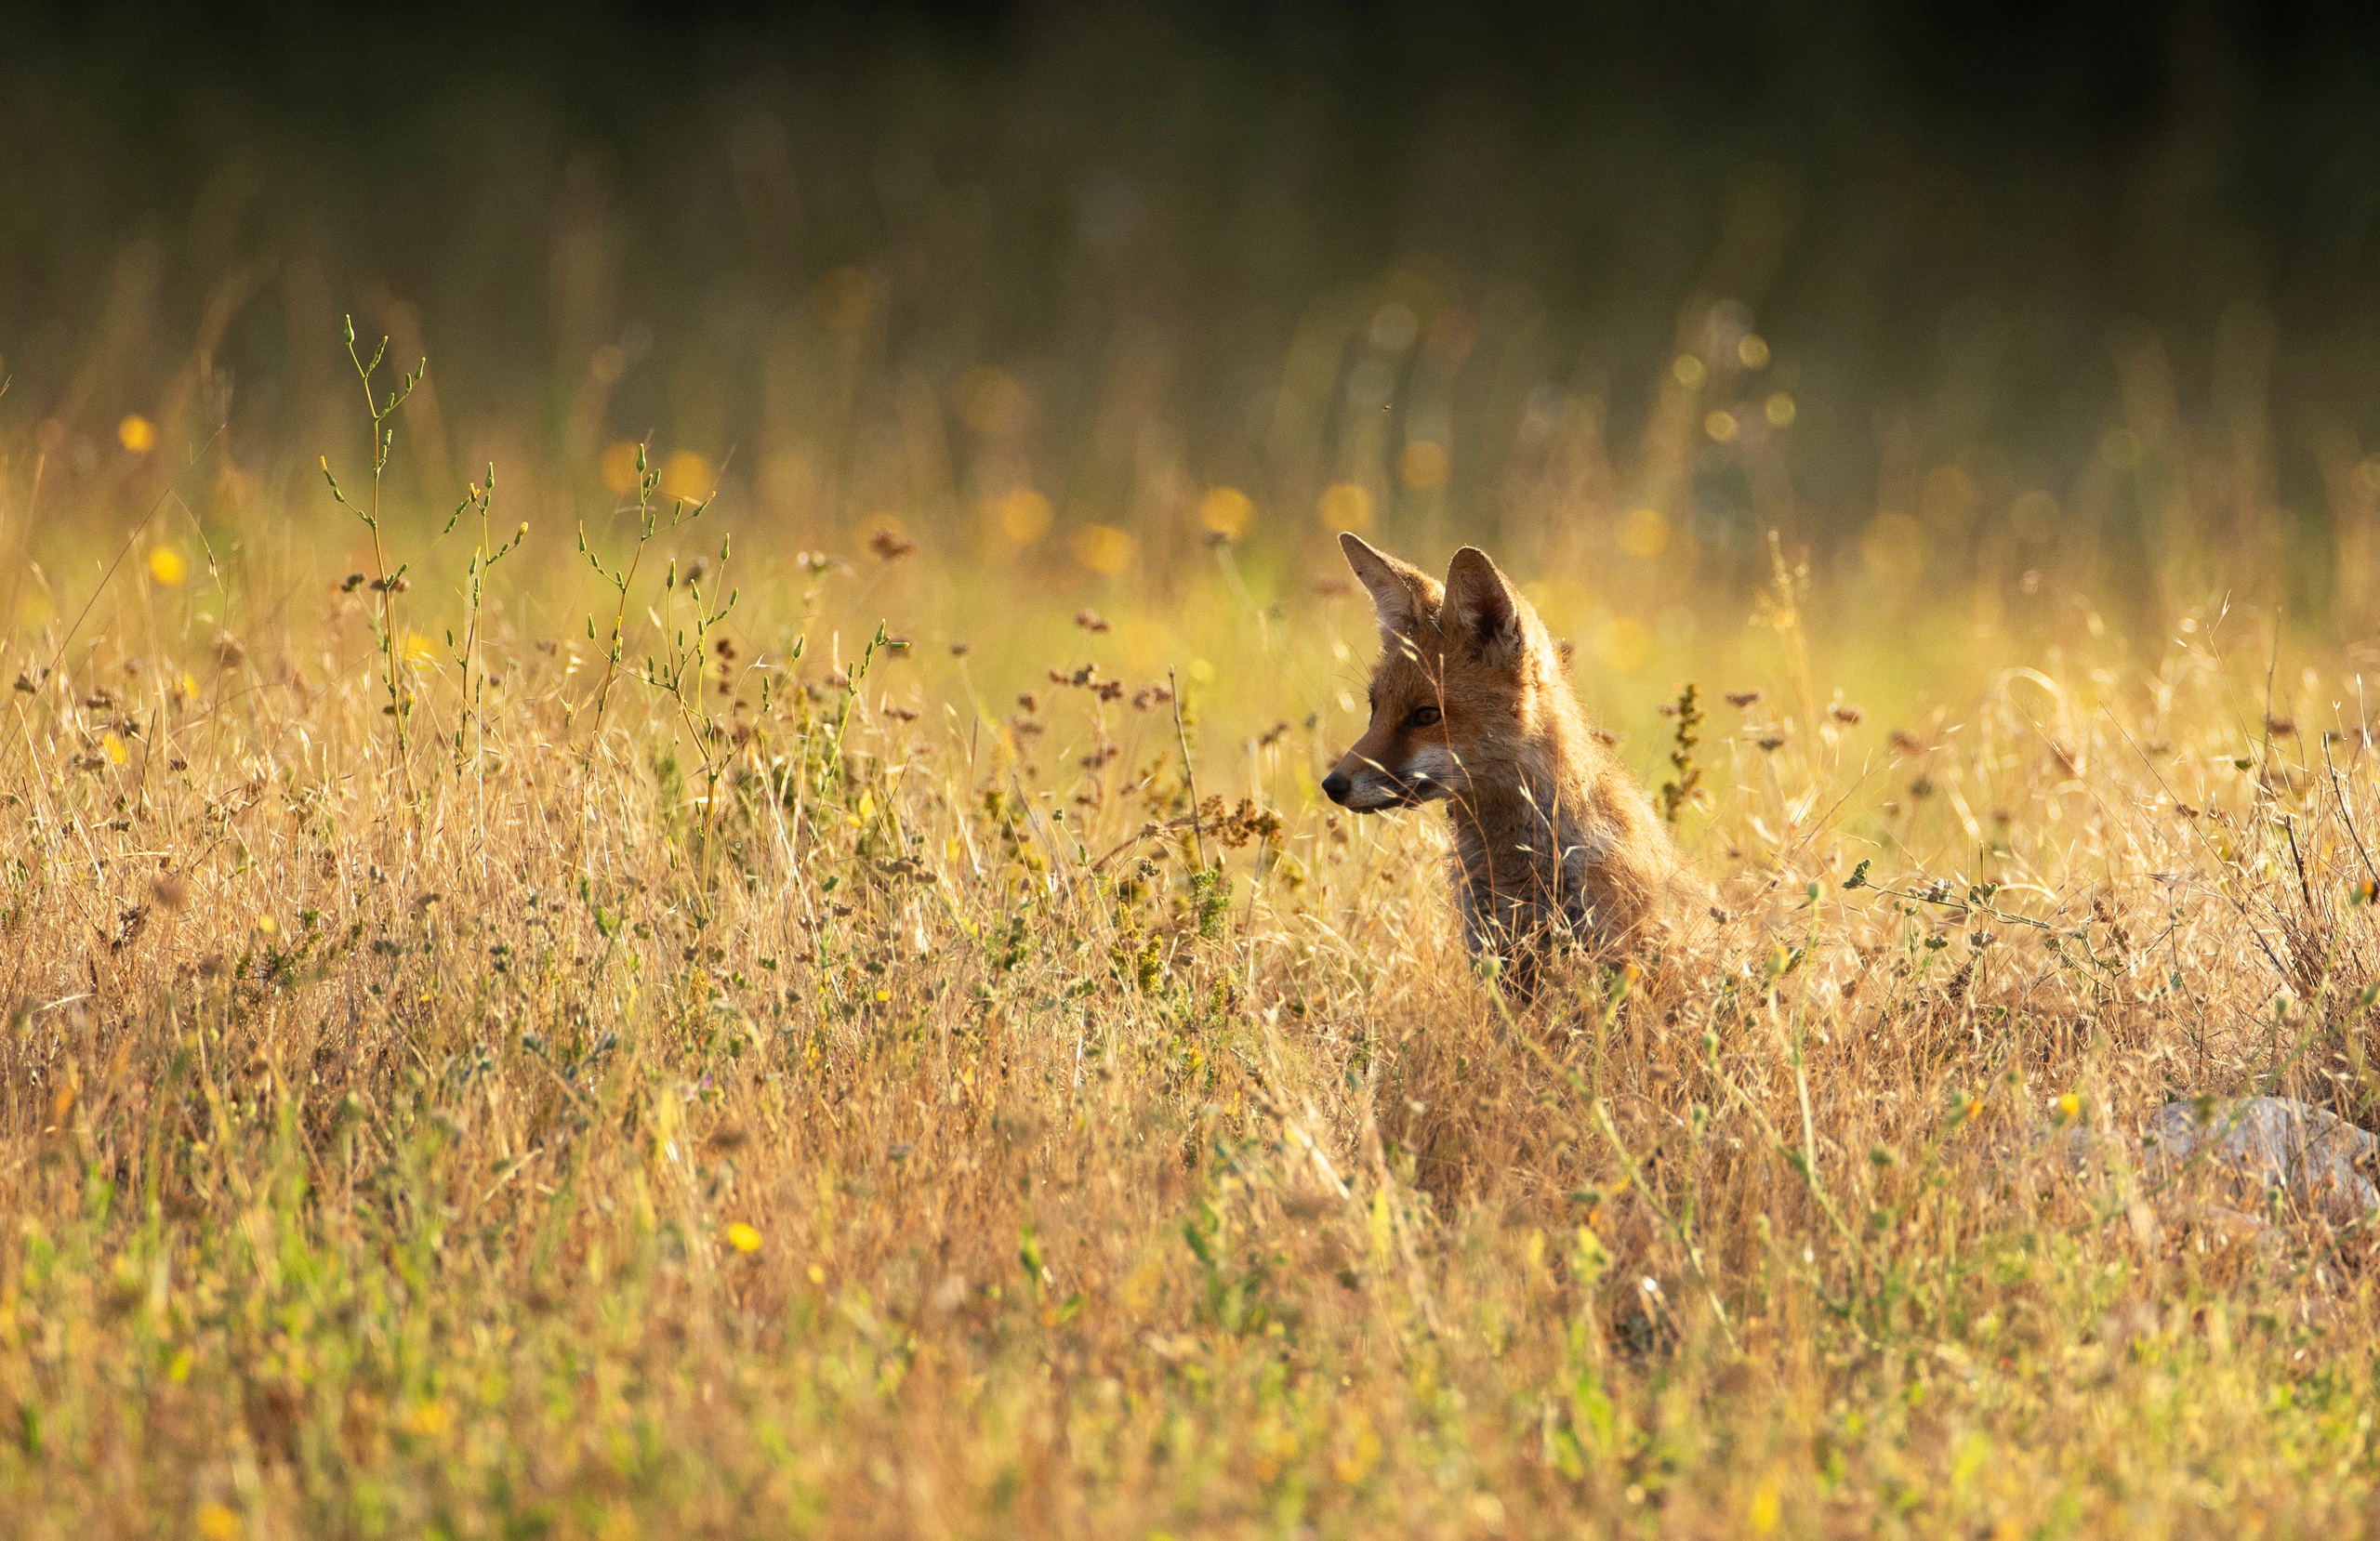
[[1404, 594], [1484, 610]]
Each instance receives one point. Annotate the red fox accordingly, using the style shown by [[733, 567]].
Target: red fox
[[1554, 840]]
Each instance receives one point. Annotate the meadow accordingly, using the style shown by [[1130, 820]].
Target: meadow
[[719, 923], [643, 1032]]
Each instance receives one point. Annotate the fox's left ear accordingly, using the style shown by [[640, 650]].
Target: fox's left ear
[[1483, 610]]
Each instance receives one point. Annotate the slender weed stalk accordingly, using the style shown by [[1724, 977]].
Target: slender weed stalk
[[385, 584], [649, 525], [683, 666], [471, 722], [470, 666]]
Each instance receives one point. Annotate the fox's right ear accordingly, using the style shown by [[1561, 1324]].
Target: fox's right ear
[[1404, 596]]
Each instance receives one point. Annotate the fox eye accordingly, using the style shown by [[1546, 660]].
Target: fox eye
[[1424, 717]]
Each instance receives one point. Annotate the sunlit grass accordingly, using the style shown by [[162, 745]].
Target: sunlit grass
[[816, 1066]]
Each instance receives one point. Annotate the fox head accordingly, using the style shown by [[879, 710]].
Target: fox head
[[1467, 677]]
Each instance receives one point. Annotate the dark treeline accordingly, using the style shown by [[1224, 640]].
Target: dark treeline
[[1958, 226]]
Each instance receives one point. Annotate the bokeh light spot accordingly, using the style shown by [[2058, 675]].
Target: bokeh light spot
[[1780, 411], [1623, 643], [1720, 425], [1226, 512], [1689, 371], [687, 475], [1347, 506], [1104, 548], [1643, 532], [136, 433], [1424, 466], [1752, 350], [619, 466], [991, 401], [1023, 516]]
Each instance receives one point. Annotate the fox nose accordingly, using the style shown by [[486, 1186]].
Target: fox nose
[[1336, 788]]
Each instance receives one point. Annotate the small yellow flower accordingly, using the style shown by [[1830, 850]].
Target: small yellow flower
[[113, 746], [426, 1420], [267, 926], [136, 433], [420, 649], [2070, 1107], [743, 1238], [166, 566], [218, 1523], [1767, 1504]]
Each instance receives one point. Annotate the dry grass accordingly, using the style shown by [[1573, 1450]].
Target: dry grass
[[907, 1141]]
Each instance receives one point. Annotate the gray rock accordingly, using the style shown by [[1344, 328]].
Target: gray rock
[[2318, 1160]]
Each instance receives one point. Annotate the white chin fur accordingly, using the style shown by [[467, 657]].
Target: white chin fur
[[1381, 797]]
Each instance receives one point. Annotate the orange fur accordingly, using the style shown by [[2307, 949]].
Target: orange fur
[[1554, 840]]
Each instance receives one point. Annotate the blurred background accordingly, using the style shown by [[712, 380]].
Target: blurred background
[[1960, 300]]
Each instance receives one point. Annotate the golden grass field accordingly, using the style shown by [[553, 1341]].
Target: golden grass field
[[792, 1085]]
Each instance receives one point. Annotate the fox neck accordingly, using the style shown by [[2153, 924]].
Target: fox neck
[[1534, 831]]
